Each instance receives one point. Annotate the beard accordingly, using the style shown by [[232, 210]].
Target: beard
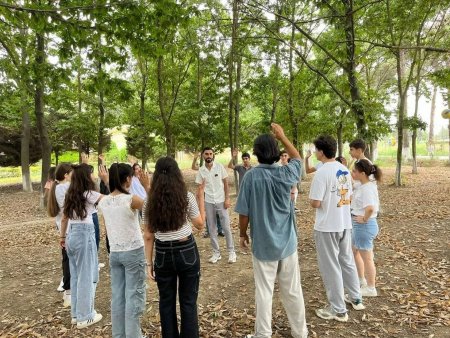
[[208, 160]]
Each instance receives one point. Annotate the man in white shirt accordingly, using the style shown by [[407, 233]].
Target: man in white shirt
[[217, 200], [330, 193]]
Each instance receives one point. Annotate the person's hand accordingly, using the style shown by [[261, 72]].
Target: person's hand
[[102, 158], [62, 242], [150, 272], [359, 219], [227, 203], [84, 158], [308, 153], [103, 174], [244, 241], [235, 152], [277, 131], [144, 178]]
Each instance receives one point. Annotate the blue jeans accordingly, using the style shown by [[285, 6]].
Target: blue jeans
[[177, 261], [219, 226], [83, 262], [97, 229], [128, 292]]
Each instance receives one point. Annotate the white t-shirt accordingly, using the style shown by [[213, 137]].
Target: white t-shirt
[[365, 195], [91, 198], [60, 194], [332, 185], [186, 228], [122, 222], [214, 189], [137, 188], [318, 165]]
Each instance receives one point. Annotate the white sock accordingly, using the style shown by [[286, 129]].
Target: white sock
[[362, 281]]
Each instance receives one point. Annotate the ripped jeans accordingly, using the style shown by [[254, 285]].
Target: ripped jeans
[[177, 261], [128, 292]]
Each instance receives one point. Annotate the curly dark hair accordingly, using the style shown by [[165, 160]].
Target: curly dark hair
[[327, 144], [81, 182], [167, 201]]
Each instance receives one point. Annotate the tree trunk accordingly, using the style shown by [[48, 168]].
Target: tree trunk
[[414, 132], [401, 115], [39, 112], [448, 105], [357, 106], [374, 150], [101, 110], [431, 131], [144, 71], [275, 86], [292, 118], [340, 142], [25, 148]]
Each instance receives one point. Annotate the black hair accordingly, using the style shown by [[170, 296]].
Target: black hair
[[135, 165], [118, 174], [245, 155], [51, 173], [265, 148], [327, 144], [207, 148], [167, 201], [364, 166], [340, 159], [283, 152], [358, 144]]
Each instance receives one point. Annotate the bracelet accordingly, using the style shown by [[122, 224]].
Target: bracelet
[[148, 264], [63, 237]]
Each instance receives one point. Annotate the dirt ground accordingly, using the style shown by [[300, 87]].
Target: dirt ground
[[412, 258]]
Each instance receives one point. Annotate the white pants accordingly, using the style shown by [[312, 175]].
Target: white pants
[[288, 272]]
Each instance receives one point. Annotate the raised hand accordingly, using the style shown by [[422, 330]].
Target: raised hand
[[277, 131]]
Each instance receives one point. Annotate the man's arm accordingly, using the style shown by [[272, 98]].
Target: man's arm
[[315, 203], [231, 164], [243, 225], [278, 132], [308, 169]]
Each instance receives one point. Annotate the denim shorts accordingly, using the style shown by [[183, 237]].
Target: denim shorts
[[364, 234]]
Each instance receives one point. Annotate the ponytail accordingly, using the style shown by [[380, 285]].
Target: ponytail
[[118, 174], [60, 174], [364, 166]]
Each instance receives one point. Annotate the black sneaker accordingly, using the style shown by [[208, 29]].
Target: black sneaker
[[221, 234]]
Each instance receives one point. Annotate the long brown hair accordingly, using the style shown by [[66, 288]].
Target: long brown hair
[[80, 183], [60, 174], [167, 201]]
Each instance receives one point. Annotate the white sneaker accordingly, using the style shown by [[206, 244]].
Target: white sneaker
[[328, 313], [367, 291], [85, 323], [232, 257], [356, 304], [101, 265], [60, 287], [73, 321], [215, 257], [67, 299]]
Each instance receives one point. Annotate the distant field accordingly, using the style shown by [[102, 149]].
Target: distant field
[[386, 158]]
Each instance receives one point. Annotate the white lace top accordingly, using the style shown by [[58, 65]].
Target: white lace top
[[122, 222]]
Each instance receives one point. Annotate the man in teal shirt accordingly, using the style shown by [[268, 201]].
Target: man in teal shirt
[[264, 201]]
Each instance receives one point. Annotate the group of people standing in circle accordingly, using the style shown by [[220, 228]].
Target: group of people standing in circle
[[166, 251]]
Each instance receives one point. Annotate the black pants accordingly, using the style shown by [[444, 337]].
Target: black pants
[[178, 262], [65, 269]]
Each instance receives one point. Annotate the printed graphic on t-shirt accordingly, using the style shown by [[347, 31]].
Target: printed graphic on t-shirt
[[341, 188]]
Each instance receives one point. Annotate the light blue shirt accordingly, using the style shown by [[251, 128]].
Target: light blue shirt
[[265, 197]]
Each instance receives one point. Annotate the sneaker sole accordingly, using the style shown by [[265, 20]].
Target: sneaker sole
[[339, 319]]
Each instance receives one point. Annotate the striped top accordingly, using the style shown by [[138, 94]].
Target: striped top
[[185, 230]]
